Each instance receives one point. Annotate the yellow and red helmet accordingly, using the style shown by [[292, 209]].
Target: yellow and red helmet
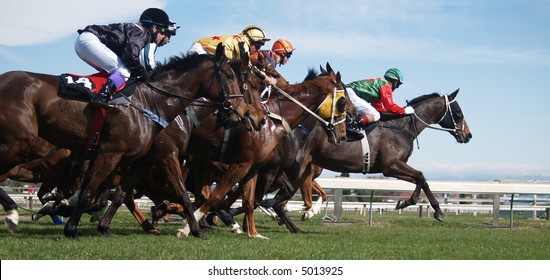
[[282, 47]]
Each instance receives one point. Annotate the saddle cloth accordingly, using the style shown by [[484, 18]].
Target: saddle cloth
[[84, 88]]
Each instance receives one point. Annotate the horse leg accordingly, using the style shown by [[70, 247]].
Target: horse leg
[[103, 226], [138, 214], [249, 197], [226, 182], [404, 172], [103, 166], [12, 217], [285, 219], [177, 182]]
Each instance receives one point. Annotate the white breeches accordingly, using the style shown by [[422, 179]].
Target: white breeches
[[196, 48], [362, 107], [92, 51]]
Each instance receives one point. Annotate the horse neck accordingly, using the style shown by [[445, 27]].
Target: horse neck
[[169, 107], [429, 112], [309, 93]]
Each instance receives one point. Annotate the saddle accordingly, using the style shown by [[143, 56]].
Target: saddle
[[84, 88]]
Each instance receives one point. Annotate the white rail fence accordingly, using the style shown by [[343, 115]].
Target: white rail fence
[[501, 191], [501, 196]]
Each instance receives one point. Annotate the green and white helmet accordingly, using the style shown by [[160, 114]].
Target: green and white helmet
[[394, 74]]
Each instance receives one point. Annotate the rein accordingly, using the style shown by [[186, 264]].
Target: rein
[[447, 110], [329, 125], [415, 134]]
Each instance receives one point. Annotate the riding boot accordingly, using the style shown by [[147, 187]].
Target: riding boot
[[353, 134], [104, 94]]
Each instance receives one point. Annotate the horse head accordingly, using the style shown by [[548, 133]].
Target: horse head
[[454, 119], [233, 104], [250, 87], [445, 111], [334, 107]]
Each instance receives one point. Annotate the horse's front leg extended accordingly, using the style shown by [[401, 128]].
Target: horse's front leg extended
[[409, 174], [249, 199]]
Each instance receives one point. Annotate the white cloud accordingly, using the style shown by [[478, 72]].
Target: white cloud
[[36, 21]]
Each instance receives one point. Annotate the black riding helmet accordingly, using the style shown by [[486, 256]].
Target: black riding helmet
[[155, 16]]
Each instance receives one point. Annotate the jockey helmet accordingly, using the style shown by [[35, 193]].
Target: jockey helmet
[[255, 34], [155, 16], [394, 74], [282, 47]]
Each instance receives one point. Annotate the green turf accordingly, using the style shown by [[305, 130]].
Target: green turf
[[392, 237]]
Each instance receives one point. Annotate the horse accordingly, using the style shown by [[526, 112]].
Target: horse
[[391, 144], [159, 175], [250, 151], [284, 157], [33, 109]]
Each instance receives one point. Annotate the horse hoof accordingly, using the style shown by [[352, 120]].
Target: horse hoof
[[104, 231], [258, 236], [183, 232], [236, 229], [439, 216], [11, 226], [400, 205]]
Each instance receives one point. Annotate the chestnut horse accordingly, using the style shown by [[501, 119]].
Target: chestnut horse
[[33, 109], [391, 145], [251, 150]]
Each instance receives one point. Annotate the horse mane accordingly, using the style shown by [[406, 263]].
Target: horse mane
[[181, 63], [422, 98], [311, 74]]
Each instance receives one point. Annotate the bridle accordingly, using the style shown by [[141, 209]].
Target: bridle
[[329, 125], [226, 105], [448, 110]]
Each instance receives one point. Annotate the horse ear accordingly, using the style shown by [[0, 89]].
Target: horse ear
[[338, 78], [329, 69], [323, 71], [220, 52], [453, 95], [244, 55]]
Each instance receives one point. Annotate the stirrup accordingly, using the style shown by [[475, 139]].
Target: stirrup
[[100, 103]]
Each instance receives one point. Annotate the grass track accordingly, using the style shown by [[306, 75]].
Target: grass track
[[393, 237]]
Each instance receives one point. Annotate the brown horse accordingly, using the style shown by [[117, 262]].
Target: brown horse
[[33, 109], [250, 151], [391, 144], [159, 175]]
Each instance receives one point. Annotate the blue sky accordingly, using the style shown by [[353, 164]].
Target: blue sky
[[496, 52]]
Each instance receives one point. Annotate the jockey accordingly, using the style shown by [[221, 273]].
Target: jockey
[[253, 38], [115, 48], [372, 96], [278, 55], [147, 54]]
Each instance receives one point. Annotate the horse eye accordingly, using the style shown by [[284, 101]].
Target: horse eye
[[341, 104]]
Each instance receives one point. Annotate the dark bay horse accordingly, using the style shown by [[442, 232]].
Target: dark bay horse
[[391, 144], [249, 151], [33, 109]]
